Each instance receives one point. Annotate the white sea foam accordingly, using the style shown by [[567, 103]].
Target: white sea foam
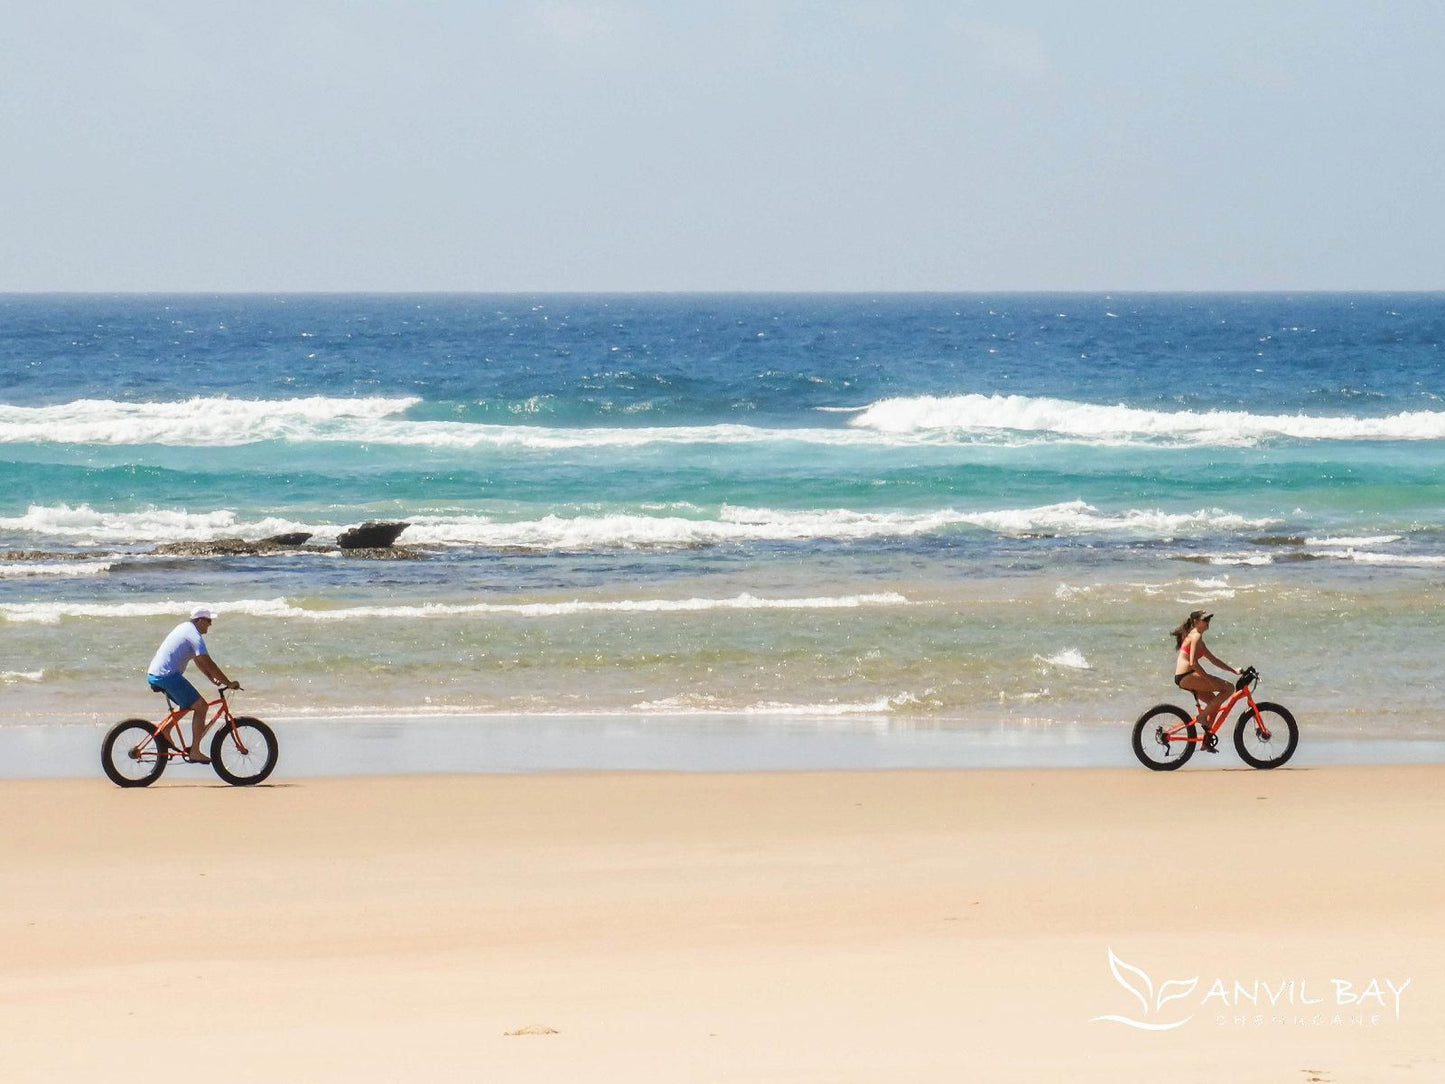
[[687, 704], [11, 677], [705, 704], [737, 524], [963, 416], [198, 421], [1203, 598], [1349, 541], [1070, 658], [49, 613], [83, 524], [1235, 558], [16, 570], [1367, 558], [1077, 517]]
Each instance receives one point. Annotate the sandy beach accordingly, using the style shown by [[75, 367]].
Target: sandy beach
[[862, 926]]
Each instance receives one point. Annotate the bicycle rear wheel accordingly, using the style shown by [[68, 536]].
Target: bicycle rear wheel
[[1266, 740], [246, 756], [131, 755], [1159, 741]]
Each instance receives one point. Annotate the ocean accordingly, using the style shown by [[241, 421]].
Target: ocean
[[886, 515]]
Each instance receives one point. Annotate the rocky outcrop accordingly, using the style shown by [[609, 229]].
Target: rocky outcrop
[[215, 547], [232, 547], [52, 555], [374, 535]]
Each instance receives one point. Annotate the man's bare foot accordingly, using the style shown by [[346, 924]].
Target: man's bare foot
[[197, 757]]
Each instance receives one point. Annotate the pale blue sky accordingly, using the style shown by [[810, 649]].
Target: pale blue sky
[[561, 145]]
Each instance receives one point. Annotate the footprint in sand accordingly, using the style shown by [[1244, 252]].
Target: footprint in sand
[[534, 1029]]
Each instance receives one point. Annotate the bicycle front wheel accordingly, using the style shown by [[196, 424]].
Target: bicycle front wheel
[[131, 755], [1268, 739], [244, 752], [1159, 738]]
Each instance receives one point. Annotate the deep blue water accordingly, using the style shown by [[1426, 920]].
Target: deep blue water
[[761, 360]]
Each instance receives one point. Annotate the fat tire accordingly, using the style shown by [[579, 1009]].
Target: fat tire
[[108, 751], [1283, 718], [264, 733], [1144, 730]]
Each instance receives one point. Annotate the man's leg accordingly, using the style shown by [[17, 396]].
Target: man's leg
[[198, 723]]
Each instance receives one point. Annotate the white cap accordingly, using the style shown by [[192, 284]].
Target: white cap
[[200, 612]]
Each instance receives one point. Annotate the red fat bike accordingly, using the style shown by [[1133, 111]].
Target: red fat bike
[[1265, 736], [243, 750]]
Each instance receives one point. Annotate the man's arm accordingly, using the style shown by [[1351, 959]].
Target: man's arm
[[212, 671]]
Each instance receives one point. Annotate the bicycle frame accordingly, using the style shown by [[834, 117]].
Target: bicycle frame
[[1245, 693], [178, 747]]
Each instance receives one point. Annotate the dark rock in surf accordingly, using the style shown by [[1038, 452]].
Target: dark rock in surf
[[54, 555], [371, 536], [389, 553], [231, 547], [215, 547]]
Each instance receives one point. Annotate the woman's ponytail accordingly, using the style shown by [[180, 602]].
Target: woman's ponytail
[[1184, 629]]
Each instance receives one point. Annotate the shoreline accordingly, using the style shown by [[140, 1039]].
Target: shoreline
[[805, 926], [382, 745]]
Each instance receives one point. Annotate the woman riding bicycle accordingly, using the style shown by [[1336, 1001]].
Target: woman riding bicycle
[[1189, 674]]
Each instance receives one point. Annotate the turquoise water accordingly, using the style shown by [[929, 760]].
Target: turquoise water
[[914, 512]]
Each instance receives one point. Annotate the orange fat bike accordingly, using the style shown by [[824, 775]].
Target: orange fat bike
[[1265, 736], [243, 750]]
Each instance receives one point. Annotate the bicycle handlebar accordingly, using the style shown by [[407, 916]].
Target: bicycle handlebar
[[1248, 676]]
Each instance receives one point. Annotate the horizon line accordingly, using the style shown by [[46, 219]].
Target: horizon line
[[1016, 292]]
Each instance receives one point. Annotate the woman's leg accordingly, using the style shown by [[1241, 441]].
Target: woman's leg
[[1219, 693], [1200, 685], [1211, 691]]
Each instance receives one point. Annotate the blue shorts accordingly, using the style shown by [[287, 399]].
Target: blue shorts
[[182, 693]]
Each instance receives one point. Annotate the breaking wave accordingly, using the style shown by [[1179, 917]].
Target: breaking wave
[[83, 524], [966, 416], [49, 613], [198, 421], [918, 420], [19, 570]]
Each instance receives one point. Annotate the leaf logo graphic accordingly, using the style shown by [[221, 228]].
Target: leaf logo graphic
[[1138, 983]]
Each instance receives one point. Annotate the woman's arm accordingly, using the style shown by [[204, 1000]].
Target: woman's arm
[[1215, 659]]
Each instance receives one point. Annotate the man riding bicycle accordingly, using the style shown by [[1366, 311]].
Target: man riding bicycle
[[166, 673]]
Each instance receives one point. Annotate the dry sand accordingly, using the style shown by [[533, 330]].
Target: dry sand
[[827, 927]]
